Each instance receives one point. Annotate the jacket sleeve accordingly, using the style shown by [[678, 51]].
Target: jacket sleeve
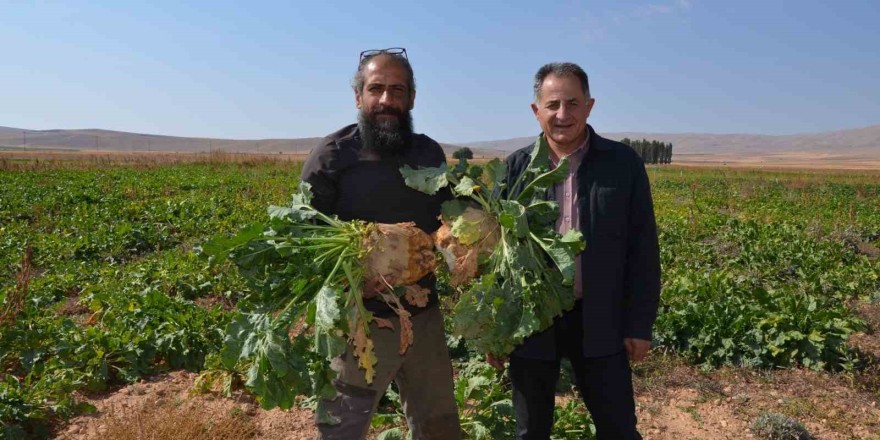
[[516, 163], [642, 271], [510, 163], [318, 171]]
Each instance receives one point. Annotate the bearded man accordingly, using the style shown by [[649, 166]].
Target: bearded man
[[354, 174]]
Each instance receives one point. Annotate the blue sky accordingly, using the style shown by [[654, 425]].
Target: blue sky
[[282, 69]]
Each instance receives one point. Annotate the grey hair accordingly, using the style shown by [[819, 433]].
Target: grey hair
[[357, 83], [561, 69]]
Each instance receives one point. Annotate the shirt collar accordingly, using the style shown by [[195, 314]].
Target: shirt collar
[[577, 154]]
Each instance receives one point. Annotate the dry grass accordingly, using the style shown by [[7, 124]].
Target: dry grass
[[14, 303], [185, 422], [38, 160], [57, 159]]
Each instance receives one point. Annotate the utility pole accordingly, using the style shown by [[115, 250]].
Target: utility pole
[[24, 137], [97, 147]]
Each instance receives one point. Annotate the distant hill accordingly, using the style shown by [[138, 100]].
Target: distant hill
[[851, 143], [108, 140], [859, 142]]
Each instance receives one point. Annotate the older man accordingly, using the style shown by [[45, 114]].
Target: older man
[[354, 174], [608, 198]]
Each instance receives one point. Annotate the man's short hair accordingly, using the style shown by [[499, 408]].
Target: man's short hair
[[357, 83], [561, 69]]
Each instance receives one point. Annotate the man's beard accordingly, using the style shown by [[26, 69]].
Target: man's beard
[[387, 138]]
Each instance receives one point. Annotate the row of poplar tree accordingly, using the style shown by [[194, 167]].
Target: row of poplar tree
[[651, 151]]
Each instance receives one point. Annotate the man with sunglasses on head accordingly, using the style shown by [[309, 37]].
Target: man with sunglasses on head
[[354, 174]]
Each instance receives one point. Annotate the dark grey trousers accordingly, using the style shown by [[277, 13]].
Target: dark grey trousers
[[423, 376], [605, 384]]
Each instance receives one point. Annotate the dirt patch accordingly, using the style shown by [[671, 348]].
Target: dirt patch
[[171, 393], [211, 301], [868, 249], [870, 312], [72, 308], [685, 414], [682, 402], [674, 401], [867, 343]]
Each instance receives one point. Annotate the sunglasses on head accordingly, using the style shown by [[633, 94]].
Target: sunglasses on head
[[396, 51]]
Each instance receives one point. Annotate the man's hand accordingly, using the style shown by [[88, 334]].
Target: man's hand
[[497, 363], [636, 349]]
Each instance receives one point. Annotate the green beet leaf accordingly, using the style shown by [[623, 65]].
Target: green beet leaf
[[525, 282], [426, 180], [305, 272]]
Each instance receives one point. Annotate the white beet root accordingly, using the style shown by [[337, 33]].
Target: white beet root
[[397, 255], [462, 254]]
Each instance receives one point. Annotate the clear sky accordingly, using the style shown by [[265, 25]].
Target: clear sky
[[282, 69]]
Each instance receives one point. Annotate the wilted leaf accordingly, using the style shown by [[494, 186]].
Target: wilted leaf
[[406, 332], [363, 349], [416, 295]]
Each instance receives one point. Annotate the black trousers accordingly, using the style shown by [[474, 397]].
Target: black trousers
[[605, 384]]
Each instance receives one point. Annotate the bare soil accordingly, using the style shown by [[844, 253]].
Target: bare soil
[[170, 392], [674, 401], [724, 403]]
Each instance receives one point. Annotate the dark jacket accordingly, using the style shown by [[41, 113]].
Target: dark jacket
[[621, 264], [352, 182]]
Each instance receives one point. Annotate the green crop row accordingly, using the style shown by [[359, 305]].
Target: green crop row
[[117, 292], [759, 269]]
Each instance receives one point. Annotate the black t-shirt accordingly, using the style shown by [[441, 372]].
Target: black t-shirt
[[354, 183]]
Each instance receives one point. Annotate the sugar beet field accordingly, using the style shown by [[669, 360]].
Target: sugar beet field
[[112, 324]]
